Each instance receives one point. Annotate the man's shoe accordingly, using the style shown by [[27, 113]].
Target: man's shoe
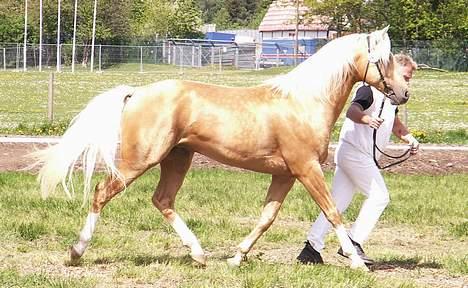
[[360, 252], [309, 255]]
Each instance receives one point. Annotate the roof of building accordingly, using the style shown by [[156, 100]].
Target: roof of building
[[281, 15]]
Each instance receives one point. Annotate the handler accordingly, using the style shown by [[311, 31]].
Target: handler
[[356, 169]]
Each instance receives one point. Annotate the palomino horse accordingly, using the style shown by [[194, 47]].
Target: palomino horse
[[281, 127]]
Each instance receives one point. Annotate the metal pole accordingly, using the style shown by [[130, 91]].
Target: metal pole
[[277, 57], [50, 98], [220, 59], [193, 55], [199, 56], [212, 57], [181, 59], [40, 36], [94, 34], [74, 36], [296, 36], [17, 56], [58, 37], [25, 32]]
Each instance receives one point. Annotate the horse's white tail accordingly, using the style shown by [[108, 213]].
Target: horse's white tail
[[93, 134]]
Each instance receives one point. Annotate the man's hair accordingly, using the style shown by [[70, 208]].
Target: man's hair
[[405, 60]]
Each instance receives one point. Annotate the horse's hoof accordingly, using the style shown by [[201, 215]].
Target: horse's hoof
[[74, 256], [199, 258], [360, 266], [233, 262]]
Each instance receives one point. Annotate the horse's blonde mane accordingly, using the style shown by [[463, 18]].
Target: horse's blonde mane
[[326, 71]]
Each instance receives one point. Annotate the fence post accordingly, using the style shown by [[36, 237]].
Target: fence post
[[181, 59], [50, 98], [17, 56], [174, 55], [200, 51], [212, 57], [169, 56], [236, 57], [59, 57], [193, 55], [220, 59], [4, 59], [277, 57]]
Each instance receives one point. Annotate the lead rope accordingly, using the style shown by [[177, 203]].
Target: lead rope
[[374, 135]]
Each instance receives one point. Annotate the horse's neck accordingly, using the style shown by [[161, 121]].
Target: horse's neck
[[338, 101]]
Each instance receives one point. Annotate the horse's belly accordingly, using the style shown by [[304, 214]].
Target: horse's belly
[[259, 162]]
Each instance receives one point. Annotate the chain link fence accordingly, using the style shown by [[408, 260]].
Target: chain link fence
[[197, 53]]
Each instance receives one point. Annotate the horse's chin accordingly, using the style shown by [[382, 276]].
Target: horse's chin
[[397, 101]]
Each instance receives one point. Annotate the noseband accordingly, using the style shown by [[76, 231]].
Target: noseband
[[387, 92]]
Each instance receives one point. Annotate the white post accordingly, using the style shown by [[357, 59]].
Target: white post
[[277, 57], [94, 34], [58, 37], [50, 98], [17, 56], [74, 36], [220, 59], [193, 55], [181, 59], [25, 32], [212, 56], [40, 35], [4, 59]]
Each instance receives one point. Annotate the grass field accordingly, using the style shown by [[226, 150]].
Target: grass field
[[437, 112], [420, 240]]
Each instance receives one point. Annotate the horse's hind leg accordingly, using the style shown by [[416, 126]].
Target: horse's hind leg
[[173, 170], [279, 188], [104, 192]]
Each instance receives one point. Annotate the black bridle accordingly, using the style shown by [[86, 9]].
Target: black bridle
[[387, 92]]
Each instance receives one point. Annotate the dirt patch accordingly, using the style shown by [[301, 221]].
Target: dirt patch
[[13, 157]]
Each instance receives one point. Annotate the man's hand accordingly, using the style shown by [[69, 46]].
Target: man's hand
[[414, 144], [374, 122]]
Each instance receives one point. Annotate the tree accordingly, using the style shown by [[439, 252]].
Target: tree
[[186, 20], [340, 15]]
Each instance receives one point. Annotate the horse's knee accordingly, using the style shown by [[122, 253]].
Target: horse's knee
[[164, 205], [333, 217]]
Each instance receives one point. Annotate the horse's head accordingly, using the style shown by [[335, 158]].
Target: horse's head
[[378, 68]]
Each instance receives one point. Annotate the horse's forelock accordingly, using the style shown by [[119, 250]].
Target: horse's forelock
[[380, 47]]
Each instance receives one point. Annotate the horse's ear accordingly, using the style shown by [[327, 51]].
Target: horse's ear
[[385, 30]]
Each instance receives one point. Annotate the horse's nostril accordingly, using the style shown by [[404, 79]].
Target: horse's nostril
[[407, 94]]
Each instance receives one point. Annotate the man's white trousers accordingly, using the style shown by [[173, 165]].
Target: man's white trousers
[[355, 171]]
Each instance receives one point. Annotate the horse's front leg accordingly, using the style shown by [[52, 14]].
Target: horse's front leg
[[279, 188], [311, 176]]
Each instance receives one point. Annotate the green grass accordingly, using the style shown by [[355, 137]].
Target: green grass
[[425, 221], [437, 111]]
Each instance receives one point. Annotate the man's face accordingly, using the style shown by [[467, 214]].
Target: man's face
[[407, 72]]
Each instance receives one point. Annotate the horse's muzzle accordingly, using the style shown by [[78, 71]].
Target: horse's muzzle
[[395, 100]]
